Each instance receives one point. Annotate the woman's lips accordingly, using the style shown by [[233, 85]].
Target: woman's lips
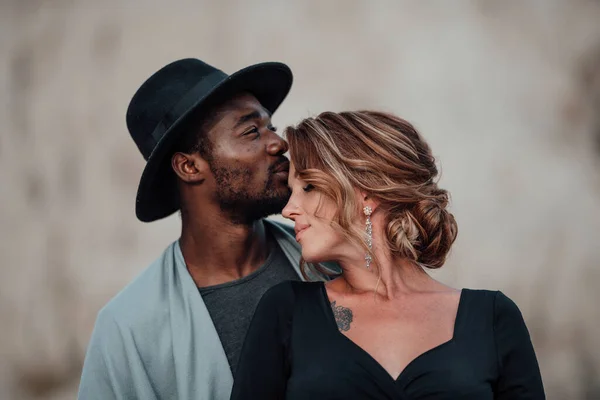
[[299, 232]]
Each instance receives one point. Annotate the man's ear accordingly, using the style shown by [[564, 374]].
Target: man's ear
[[190, 168]]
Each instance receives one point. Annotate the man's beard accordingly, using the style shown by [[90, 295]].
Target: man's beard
[[245, 204]]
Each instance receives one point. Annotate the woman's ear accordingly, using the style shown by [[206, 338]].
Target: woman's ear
[[367, 201]]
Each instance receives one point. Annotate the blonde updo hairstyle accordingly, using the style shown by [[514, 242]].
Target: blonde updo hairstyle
[[383, 156]]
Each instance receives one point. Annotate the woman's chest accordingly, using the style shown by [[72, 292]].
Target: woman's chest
[[326, 366], [394, 339], [401, 356]]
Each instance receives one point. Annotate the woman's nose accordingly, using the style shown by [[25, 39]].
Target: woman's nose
[[289, 211]]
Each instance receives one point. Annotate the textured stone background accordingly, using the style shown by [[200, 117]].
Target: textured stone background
[[507, 92]]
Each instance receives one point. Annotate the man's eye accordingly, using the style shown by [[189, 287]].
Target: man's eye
[[308, 188], [273, 128], [254, 129]]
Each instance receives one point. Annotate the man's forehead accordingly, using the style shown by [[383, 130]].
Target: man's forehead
[[235, 111], [242, 104]]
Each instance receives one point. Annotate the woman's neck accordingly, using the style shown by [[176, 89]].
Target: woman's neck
[[388, 277]]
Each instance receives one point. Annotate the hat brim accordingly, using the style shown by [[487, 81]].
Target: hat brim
[[157, 195]]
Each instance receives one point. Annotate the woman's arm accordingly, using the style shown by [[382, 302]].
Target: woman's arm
[[520, 376], [263, 368]]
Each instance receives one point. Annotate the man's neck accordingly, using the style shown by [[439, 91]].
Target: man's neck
[[217, 251]]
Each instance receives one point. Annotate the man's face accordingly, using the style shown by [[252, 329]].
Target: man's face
[[246, 159]]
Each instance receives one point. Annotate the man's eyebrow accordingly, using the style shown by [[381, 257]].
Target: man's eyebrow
[[250, 116]]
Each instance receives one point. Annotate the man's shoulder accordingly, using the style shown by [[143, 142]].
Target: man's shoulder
[[144, 298], [283, 226]]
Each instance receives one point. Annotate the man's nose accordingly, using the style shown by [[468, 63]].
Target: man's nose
[[277, 146]]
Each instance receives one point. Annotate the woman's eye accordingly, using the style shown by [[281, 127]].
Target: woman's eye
[[308, 188]]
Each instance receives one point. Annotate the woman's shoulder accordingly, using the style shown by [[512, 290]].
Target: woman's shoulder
[[478, 296], [491, 302], [494, 297]]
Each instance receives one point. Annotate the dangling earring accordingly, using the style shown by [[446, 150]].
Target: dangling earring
[[369, 228]]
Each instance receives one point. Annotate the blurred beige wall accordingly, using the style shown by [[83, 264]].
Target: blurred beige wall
[[507, 92]]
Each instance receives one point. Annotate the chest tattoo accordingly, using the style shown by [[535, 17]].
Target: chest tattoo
[[343, 316]]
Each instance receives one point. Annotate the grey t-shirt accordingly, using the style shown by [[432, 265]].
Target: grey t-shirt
[[231, 305]]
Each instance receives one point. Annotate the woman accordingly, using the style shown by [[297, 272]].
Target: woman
[[364, 194]]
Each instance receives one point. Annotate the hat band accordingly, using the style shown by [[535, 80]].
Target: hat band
[[183, 105]]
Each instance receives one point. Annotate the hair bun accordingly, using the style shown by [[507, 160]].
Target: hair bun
[[424, 232]]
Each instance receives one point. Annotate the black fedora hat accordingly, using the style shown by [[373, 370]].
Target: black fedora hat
[[158, 112]]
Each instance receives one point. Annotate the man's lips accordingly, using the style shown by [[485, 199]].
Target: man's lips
[[283, 166]]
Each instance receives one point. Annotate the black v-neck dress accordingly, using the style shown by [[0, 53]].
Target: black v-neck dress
[[294, 350]]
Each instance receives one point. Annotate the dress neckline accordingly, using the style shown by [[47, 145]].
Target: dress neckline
[[331, 319]]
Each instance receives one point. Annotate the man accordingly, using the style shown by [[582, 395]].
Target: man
[[176, 331]]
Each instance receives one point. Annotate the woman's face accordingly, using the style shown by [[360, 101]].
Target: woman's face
[[312, 214]]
